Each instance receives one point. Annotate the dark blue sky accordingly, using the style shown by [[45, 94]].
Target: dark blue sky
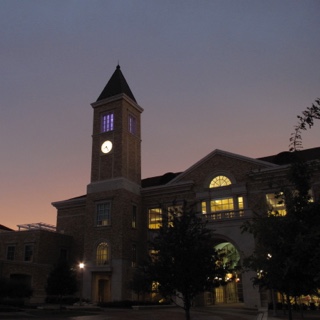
[[231, 75]]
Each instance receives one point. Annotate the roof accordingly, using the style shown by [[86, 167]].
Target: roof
[[116, 85], [281, 158], [287, 157], [158, 180], [4, 228]]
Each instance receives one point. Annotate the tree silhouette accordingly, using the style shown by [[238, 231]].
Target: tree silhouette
[[62, 281], [183, 259]]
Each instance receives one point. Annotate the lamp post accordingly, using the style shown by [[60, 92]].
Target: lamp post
[[81, 267]]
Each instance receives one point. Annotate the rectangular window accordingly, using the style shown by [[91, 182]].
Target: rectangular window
[[155, 218], [204, 207], [223, 204], [104, 214], [134, 256], [134, 217], [276, 204], [28, 252], [107, 122], [240, 203], [11, 252], [132, 123]]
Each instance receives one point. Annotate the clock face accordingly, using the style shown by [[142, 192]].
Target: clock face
[[106, 147]]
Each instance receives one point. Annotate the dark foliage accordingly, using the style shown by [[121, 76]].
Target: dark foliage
[[183, 259], [62, 281]]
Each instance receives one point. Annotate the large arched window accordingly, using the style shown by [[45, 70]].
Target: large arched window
[[220, 181], [224, 203], [102, 253]]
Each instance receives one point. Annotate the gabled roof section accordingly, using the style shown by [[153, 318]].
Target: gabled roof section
[[116, 85], [223, 153]]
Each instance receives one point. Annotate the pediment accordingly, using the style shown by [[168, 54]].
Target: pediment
[[219, 161]]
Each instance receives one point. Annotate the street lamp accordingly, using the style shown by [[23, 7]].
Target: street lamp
[[81, 266]]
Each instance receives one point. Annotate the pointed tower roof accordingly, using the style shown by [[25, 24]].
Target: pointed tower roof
[[116, 85]]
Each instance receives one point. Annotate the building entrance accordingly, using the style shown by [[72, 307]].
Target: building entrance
[[230, 289], [100, 287]]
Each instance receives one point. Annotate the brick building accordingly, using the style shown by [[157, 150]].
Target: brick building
[[108, 228]]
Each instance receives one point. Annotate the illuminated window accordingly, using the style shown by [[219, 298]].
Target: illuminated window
[[11, 252], [102, 254], [223, 204], [107, 122], [240, 203], [132, 123], [204, 207], [104, 214], [276, 204], [155, 218], [219, 181]]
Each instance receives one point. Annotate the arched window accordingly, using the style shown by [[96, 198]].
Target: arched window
[[219, 181], [102, 253]]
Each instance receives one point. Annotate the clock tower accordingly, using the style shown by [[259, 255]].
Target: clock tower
[[116, 138], [113, 233]]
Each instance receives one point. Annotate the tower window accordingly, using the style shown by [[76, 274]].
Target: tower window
[[102, 254], [107, 122], [132, 123], [104, 214]]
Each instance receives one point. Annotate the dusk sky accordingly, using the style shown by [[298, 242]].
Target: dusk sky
[[228, 74]]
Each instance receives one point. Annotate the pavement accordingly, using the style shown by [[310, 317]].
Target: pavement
[[217, 312]]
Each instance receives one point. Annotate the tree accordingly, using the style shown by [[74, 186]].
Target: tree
[[141, 282], [305, 121], [287, 254], [183, 259], [62, 281]]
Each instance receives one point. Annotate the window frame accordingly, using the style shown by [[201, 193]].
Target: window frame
[[132, 124], [102, 254], [107, 122], [220, 181], [99, 214], [27, 256], [11, 253], [154, 220]]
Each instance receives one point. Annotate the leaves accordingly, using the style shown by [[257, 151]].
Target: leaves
[[305, 121], [287, 254], [183, 258]]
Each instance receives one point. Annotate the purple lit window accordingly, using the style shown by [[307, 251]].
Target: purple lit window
[[107, 122], [132, 124]]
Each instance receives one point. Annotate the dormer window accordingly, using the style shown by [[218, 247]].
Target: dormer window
[[219, 181]]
